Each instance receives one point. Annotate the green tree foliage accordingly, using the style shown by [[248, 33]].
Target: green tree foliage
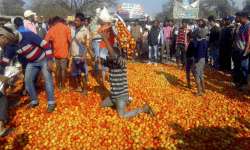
[[247, 6], [12, 7], [50, 8]]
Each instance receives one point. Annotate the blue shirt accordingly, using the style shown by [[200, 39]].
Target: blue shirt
[[31, 48]]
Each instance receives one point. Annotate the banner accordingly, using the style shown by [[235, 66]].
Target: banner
[[130, 11], [186, 11]]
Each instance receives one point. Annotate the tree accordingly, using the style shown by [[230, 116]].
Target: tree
[[167, 11], [66, 7], [247, 6], [221, 8], [12, 7]]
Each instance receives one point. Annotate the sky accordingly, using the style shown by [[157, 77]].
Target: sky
[[151, 7]]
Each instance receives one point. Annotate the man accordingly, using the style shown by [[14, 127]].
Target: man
[[79, 45], [181, 45], [38, 55], [41, 31], [241, 52], [154, 39], [96, 39], [236, 54], [105, 23], [136, 31], [200, 35], [118, 79], [226, 45], [214, 39], [59, 35], [29, 22], [168, 36]]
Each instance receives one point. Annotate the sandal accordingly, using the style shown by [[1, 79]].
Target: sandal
[[3, 132]]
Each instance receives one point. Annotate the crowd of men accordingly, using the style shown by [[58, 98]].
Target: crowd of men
[[221, 43], [39, 46]]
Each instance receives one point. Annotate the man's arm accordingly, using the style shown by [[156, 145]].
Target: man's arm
[[69, 37], [109, 47], [9, 54], [248, 42], [43, 44], [117, 59]]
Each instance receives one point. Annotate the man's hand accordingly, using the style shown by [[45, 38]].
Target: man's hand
[[69, 65], [105, 31]]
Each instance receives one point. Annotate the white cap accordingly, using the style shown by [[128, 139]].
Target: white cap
[[29, 13], [98, 10], [105, 16]]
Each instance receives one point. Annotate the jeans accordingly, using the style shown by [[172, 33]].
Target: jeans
[[181, 54], [78, 67], [3, 108], [199, 74], [121, 105], [96, 48], [214, 52], [31, 72], [153, 50], [189, 69], [240, 71]]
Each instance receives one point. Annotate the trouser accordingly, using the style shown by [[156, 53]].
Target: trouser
[[214, 52], [240, 71], [189, 69], [121, 105], [165, 50], [31, 72], [153, 50], [96, 48], [61, 67], [3, 108], [199, 74], [138, 48], [181, 54]]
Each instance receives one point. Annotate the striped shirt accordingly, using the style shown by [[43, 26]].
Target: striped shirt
[[182, 36], [118, 77], [31, 47]]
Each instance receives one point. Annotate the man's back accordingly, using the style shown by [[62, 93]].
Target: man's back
[[60, 37]]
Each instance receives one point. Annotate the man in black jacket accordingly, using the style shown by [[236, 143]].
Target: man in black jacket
[[226, 45], [214, 41]]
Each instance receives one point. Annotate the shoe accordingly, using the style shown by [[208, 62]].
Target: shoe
[[51, 108], [204, 91], [149, 110], [199, 94], [79, 89], [189, 86], [3, 132], [84, 92], [31, 105], [243, 88], [130, 99], [149, 63]]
